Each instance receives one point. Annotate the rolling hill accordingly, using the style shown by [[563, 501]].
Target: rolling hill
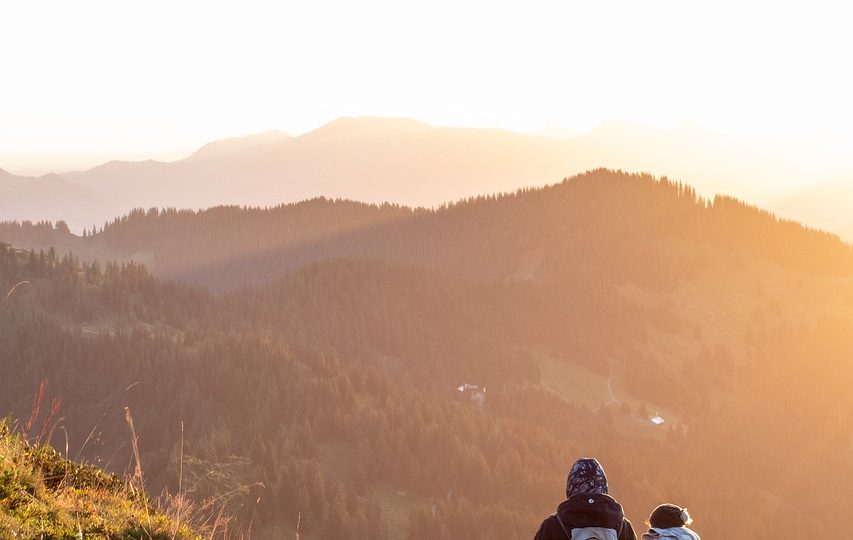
[[324, 364]]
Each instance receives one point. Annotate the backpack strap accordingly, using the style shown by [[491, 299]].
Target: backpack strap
[[563, 526]]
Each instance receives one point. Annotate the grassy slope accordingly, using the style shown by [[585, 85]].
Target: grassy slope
[[43, 495]]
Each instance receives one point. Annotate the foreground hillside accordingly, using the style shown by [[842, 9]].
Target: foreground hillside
[[43, 495], [320, 385]]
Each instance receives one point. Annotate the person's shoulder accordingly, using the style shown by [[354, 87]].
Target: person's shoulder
[[548, 527], [549, 521], [627, 532]]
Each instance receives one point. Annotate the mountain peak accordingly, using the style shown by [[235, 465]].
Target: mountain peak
[[366, 127], [52, 177]]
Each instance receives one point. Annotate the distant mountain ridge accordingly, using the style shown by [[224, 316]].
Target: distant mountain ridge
[[393, 160], [600, 223], [53, 195], [226, 146]]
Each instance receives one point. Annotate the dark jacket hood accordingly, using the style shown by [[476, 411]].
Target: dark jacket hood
[[591, 510]]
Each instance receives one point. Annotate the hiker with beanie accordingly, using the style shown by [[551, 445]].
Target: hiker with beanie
[[669, 522], [588, 513]]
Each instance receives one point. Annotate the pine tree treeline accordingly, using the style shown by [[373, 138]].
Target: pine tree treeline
[[611, 225]]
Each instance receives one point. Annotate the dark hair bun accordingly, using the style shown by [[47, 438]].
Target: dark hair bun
[[668, 515]]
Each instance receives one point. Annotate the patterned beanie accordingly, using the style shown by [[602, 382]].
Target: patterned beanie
[[586, 476], [667, 516]]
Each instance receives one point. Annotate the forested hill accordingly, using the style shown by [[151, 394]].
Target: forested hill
[[329, 387], [617, 226]]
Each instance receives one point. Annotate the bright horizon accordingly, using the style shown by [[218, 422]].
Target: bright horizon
[[85, 84]]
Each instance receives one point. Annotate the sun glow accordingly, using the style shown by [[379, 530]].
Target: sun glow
[[166, 76]]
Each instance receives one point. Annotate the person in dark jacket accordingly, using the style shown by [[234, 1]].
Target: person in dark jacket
[[587, 504]]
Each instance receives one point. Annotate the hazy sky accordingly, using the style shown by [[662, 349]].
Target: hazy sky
[[157, 78]]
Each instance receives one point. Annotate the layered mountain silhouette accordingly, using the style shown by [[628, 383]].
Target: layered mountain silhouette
[[394, 160], [628, 227], [49, 197]]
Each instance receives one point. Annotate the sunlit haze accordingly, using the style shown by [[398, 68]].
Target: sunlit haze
[[83, 82], [389, 270]]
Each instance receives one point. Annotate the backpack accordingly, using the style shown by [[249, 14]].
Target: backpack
[[589, 533]]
